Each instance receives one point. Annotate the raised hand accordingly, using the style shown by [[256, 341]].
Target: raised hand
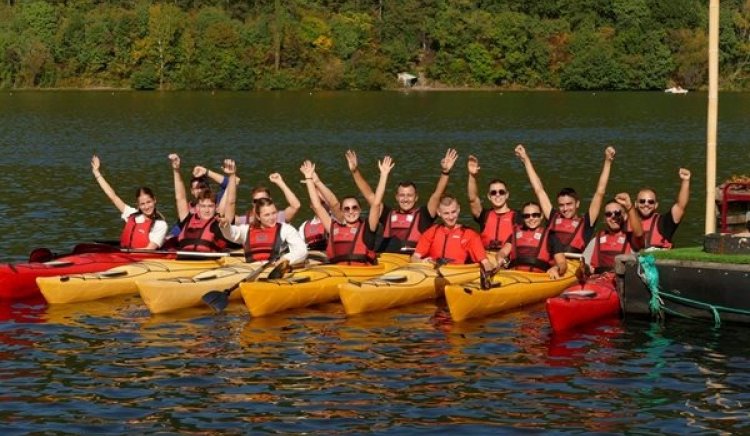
[[451, 155], [175, 159], [623, 199], [351, 160], [95, 164], [521, 153], [199, 171], [386, 165], [307, 169], [229, 166], [609, 153], [276, 178], [684, 174], [473, 165]]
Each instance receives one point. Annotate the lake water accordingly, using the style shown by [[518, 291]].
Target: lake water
[[110, 367]]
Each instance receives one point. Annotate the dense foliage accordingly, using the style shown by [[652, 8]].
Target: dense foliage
[[362, 44]]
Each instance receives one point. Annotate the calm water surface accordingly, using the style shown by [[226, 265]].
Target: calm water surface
[[110, 367]]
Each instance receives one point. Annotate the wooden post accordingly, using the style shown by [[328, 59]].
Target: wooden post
[[713, 110]]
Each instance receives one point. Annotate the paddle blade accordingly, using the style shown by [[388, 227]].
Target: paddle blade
[[440, 284], [279, 270], [217, 300], [485, 278]]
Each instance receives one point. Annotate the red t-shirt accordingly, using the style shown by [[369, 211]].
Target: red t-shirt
[[460, 244]]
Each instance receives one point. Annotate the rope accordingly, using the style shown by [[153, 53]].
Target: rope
[[650, 275]]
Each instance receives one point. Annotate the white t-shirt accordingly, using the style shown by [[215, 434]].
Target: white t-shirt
[[158, 231], [289, 236]]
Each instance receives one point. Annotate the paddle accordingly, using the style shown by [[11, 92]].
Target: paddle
[[218, 300], [440, 280], [582, 271]]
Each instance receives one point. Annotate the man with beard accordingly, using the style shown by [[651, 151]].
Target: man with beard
[[659, 229]]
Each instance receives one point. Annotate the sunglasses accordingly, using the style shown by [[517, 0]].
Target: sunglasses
[[532, 215], [613, 213], [646, 200], [351, 208], [498, 192]]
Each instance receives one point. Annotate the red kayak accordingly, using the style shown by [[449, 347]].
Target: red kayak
[[584, 303], [18, 280]]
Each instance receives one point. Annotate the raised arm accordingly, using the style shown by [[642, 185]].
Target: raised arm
[[678, 209], [229, 199], [293, 203], [623, 199], [308, 170], [183, 208], [471, 186], [446, 165], [96, 170], [536, 182], [601, 186], [373, 218], [359, 179], [334, 206], [201, 171]]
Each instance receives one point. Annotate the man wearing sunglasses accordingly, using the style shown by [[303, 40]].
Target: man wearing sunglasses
[[403, 225], [660, 228], [569, 232], [616, 238], [496, 222]]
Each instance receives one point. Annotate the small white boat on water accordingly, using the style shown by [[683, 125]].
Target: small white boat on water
[[676, 90]]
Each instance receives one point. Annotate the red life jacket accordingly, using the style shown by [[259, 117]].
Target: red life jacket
[[135, 235], [569, 231], [403, 226], [530, 251], [607, 246], [450, 244], [199, 235], [262, 243], [346, 245], [315, 235], [497, 228], [653, 237]]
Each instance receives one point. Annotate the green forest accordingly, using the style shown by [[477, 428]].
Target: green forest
[[364, 44]]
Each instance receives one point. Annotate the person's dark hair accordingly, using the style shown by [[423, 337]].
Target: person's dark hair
[[531, 203], [493, 181], [258, 189], [202, 182], [568, 192], [407, 184], [206, 194], [144, 190]]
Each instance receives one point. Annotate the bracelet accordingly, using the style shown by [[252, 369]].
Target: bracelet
[[308, 178], [445, 173]]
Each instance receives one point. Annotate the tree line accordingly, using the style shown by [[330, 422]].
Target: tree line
[[363, 44]]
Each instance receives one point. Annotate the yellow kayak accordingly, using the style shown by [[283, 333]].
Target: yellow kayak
[[170, 294], [310, 286], [120, 280], [511, 289], [404, 285]]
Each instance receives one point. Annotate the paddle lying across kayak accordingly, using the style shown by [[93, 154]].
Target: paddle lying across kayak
[[404, 285], [510, 289]]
